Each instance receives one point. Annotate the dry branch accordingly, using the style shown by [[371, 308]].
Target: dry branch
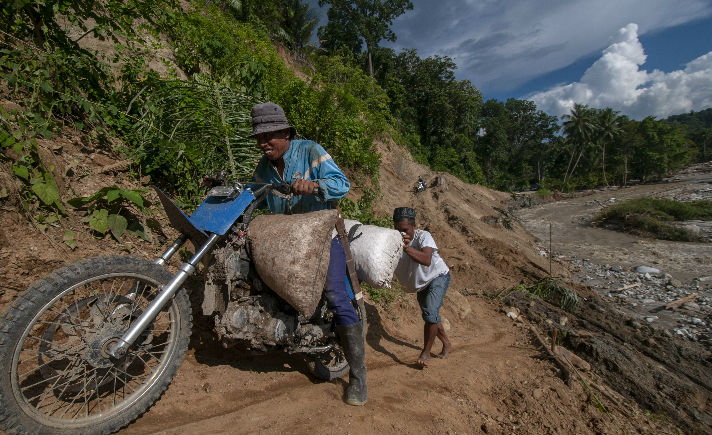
[[677, 303], [566, 372], [628, 287]]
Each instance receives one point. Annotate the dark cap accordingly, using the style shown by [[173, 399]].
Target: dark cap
[[267, 117], [403, 213]]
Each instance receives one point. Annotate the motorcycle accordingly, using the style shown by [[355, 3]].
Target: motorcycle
[[92, 346], [420, 187]]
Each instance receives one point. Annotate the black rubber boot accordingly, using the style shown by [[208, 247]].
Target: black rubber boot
[[352, 341]]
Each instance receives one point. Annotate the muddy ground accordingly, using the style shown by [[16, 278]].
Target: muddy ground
[[498, 377]]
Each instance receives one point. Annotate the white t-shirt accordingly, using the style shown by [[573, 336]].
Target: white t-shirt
[[415, 276]]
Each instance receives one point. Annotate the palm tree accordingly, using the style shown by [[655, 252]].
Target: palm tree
[[579, 127], [298, 24], [608, 130]]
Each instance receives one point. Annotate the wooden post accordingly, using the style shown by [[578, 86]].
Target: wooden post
[[551, 254]]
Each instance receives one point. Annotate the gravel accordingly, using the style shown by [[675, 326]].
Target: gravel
[[642, 294]]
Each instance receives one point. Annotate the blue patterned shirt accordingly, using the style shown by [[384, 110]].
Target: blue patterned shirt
[[308, 160]]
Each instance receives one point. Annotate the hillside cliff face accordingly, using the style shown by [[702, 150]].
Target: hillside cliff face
[[485, 247]]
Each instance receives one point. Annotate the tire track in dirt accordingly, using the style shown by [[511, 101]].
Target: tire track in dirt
[[493, 381], [391, 368]]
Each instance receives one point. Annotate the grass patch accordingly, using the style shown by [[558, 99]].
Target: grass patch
[[552, 291], [651, 217], [543, 193], [384, 296]]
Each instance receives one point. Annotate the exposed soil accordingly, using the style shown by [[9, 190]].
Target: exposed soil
[[574, 236], [497, 378]]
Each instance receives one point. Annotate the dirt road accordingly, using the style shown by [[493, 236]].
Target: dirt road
[[573, 236], [494, 381], [497, 379]]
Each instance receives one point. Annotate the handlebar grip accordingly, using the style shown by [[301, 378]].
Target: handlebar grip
[[283, 187]]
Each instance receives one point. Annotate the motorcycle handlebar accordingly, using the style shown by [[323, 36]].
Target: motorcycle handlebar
[[283, 187]]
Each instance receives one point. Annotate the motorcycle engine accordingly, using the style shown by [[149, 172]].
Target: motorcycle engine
[[258, 321], [245, 310]]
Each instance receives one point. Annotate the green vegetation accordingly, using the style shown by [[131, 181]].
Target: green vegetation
[[190, 115], [112, 209], [362, 210], [176, 129], [651, 217], [543, 193], [698, 129], [385, 297], [352, 22], [552, 291], [18, 141]]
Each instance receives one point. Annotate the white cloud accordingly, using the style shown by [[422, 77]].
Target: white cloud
[[499, 46], [616, 80]]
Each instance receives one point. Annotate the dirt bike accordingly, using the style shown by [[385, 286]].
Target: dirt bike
[[92, 346], [420, 187]]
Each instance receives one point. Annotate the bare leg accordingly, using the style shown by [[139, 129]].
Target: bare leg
[[446, 342], [430, 331]]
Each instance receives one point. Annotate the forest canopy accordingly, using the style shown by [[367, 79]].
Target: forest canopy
[[185, 112]]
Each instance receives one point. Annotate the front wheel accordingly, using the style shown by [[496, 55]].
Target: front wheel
[[56, 375]]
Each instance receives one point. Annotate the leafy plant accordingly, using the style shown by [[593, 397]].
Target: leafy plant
[[189, 128], [553, 291], [362, 210], [109, 209], [543, 193], [342, 109], [68, 239], [213, 43], [19, 145], [384, 296]]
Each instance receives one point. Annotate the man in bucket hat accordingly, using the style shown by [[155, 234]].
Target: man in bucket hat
[[316, 183]]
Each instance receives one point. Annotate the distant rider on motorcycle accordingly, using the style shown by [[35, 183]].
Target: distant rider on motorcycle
[[317, 183]]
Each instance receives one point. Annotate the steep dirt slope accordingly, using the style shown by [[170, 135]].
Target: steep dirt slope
[[475, 232], [490, 253]]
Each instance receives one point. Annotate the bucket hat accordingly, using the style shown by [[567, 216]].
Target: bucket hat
[[267, 117]]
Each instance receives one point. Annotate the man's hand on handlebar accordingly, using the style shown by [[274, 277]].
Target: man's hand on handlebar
[[304, 187]]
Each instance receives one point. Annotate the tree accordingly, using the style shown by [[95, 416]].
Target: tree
[[530, 131], [493, 145], [355, 22], [579, 127], [608, 130], [662, 148], [704, 138], [297, 23]]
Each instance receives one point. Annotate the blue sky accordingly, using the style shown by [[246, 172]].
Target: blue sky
[[641, 57]]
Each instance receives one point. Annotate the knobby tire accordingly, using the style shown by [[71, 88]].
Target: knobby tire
[[55, 374]]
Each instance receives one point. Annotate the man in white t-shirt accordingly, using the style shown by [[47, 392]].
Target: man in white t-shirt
[[421, 270]]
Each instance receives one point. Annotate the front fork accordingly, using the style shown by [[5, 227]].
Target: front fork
[[119, 349]]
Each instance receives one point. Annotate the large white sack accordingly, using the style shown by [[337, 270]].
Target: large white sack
[[376, 251]]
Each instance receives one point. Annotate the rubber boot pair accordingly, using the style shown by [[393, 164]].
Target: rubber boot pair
[[352, 341]]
